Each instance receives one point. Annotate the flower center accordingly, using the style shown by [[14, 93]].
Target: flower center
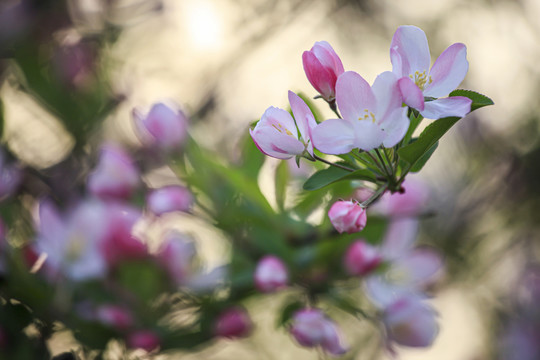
[[368, 114], [421, 78], [281, 129]]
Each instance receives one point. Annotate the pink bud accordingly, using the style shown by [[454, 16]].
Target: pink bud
[[168, 199], [411, 323], [270, 274], [115, 316], [163, 127], [143, 339], [322, 67], [347, 216], [312, 328], [115, 175], [361, 258], [233, 323]]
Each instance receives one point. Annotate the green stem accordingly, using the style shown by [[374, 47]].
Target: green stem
[[333, 106], [332, 164], [377, 194], [383, 163]]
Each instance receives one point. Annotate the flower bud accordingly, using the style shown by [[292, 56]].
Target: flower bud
[[409, 322], [312, 328], [143, 339], [347, 216], [233, 323], [322, 67], [270, 274], [115, 316], [115, 175], [361, 258], [163, 127], [168, 199]]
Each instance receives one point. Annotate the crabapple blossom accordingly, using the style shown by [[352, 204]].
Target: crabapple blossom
[[347, 216], [115, 175], [115, 316], [163, 127], [411, 202], [168, 199], [276, 134], [143, 339], [322, 67], [372, 115], [233, 323], [270, 274], [361, 258], [312, 328], [410, 56], [176, 254]]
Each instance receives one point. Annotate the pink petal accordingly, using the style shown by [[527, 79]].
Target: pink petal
[[275, 144], [421, 265], [412, 95], [397, 63], [50, 223], [381, 293], [399, 238], [320, 77], [395, 126], [368, 135], [328, 57], [448, 71], [386, 91], [354, 96], [276, 116], [452, 106], [412, 46], [303, 116], [334, 136]]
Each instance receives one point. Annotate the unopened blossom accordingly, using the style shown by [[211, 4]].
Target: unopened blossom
[[143, 339], [278, 135], [169, 199], [361, 258], [323, 66], [372, 115], [410, 56], [409, 203], [233, 323], [163, 127], [176, 254], [10, 177], [347, 216], [115, 175], [312, 328], [114, 315], [410, 322], [270, 274]]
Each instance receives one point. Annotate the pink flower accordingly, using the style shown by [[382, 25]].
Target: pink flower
[[271, 274], [347, 216], [10, 177], [276, 134], [311, 328], [410, 56], [176, 255], [372, 115], [115, 175], [164, 127], [168, 199], [143, 339], [323, 66], [412, 202], [409, 322], [233, 323], [115, 316], [361, 258]]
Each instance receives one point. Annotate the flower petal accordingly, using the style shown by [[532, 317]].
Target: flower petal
[[412, 95], [410, 42], [368, 134], [354, 96], [451, 106], [399, 237], [448, 71], [334, 136], [320, 77], [387, 94], [421, 266], [276, 144], [303, 116], [395, 126], [327, 56]]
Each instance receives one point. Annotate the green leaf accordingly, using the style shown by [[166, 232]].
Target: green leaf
[[333, 174], [288, 311], [478, 100], [144, 279], [281, 181], [413, 152], [424, 158]]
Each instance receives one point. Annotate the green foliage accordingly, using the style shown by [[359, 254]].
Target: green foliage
[[333, 174], [424, 158], [478, 100]]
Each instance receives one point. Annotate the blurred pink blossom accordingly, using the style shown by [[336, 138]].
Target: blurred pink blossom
[[361, 258], [270, 274], [143, 339], [115, 316], [233, 323], [168, 199], [322, 67], [312, 328], [412, 202], [347, 216], [115, 175], [176, 254]]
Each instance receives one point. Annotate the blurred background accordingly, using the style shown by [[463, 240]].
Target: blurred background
[[226, 61]]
